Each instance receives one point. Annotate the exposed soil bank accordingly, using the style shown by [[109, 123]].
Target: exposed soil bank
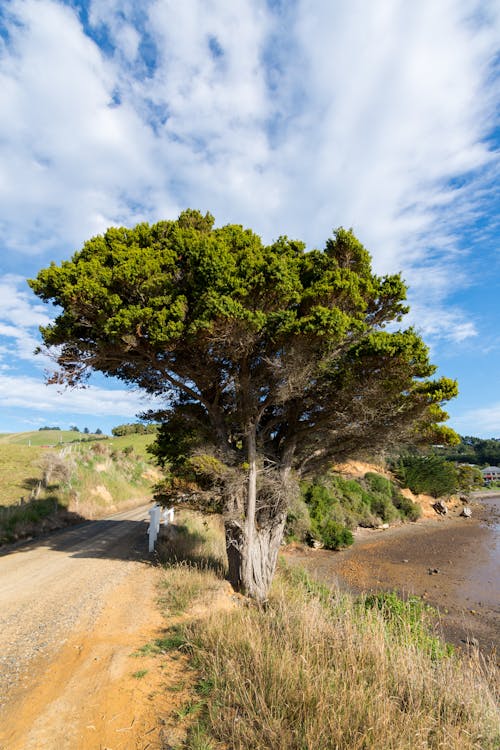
[[465, 552]]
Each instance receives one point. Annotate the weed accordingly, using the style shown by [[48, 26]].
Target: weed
[[190, 709], [171, 642]]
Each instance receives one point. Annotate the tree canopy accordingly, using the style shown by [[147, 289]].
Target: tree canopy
[[272, 361]]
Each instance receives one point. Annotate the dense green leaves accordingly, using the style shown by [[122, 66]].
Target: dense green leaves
[[234, 333]]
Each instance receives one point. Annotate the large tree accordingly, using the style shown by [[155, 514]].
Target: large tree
[[272, 361]]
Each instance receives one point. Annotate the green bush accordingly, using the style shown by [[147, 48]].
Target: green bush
[[333, 534], [407, 508], [335, 503], [430, 474], [378, 483], [326, 516], [298, 520]]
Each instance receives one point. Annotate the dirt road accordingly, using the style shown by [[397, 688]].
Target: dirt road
[[74, 606]]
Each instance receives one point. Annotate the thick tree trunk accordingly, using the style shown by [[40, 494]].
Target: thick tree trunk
[[252, 561], [253, 540]]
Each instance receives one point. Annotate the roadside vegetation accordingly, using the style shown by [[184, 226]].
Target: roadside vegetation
[[331, 507], [315, 668], [47, 488]]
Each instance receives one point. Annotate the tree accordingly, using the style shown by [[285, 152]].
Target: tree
[[272, 362], [429, 474], [98, 431], [469, 478]]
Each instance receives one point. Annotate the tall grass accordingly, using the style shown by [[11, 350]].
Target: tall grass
[[320, 670], [311, 673], [193, 554]]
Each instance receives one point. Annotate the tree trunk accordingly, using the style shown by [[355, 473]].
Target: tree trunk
[[252, 561]]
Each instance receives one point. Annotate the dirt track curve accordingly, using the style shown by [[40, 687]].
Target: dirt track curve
[[74, 606]]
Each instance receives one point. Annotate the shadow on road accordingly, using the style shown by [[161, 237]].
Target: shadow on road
[[117, 539]]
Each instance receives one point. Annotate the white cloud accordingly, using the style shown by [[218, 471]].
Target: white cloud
[[20, 317], [483, 422], [293, 120], [30, 393]]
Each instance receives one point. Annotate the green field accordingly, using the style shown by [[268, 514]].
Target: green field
[[19, 467], [138, 442], [46, 437]]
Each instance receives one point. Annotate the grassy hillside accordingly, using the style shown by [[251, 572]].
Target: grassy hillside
[[47, 487], [46, 437], [139, 444], [19, 465]]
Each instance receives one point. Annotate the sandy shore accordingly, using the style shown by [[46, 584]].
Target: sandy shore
[[464, 552]]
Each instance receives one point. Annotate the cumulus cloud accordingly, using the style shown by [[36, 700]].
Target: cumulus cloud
[[30, 393], [482, 422], [291, 118]]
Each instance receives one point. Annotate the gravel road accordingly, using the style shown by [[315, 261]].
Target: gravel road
[[54, 586]]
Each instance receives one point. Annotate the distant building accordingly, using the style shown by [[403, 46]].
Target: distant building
[[491, 474]]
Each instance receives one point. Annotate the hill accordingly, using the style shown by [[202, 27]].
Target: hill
[[44, 487], [47, 438]]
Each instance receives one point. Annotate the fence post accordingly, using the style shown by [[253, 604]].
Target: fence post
[[168, 516], [154, 526], [155, 516]]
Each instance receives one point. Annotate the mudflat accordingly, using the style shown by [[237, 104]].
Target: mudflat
[[452, 562]]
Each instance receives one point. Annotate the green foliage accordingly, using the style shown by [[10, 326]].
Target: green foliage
[[472, 450], [337, 503], [430, 474], [324, 513], [409, 621], [298, 521], [333, 534], [133, 428], [469, 478], [181, 308]]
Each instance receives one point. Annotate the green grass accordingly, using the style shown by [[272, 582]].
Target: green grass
[[173, 640], [139, 674], [47, 437], [19, 469], [139, 444]]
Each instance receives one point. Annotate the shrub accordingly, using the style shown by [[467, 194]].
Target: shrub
[[326, 516], [430, 474], [298, 520], [333, 534]]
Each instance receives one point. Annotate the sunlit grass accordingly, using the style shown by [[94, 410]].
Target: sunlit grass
[[320, 670]]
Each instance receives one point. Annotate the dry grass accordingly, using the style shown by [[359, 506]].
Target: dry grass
[[310, 673], [321, 671], [193, 553], [76, 481]]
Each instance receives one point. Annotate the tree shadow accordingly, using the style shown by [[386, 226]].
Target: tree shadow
[[45, 523], [178, 544]]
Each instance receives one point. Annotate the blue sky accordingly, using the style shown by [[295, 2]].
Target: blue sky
[[288, 117]]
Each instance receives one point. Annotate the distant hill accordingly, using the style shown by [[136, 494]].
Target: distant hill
[[47, 437]]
